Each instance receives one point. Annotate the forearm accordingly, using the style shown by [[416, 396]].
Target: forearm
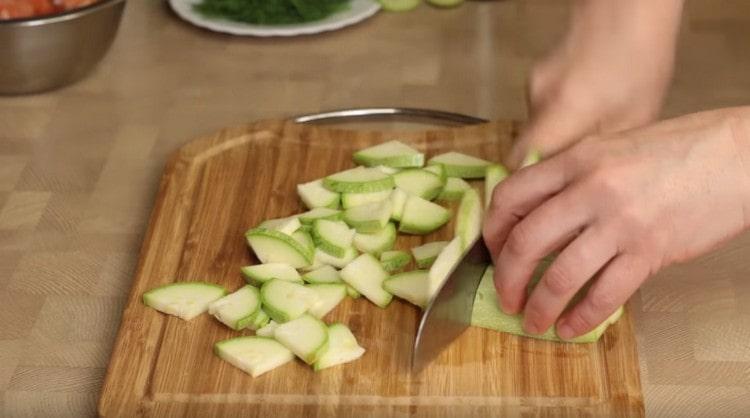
[[650, 28], [739, 126]]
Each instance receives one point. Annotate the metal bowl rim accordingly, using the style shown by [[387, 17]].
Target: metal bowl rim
[[61, 17]]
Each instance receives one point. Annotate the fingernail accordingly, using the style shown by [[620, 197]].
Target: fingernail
[[564, 331]]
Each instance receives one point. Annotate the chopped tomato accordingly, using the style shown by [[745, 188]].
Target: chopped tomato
[[16, 9]]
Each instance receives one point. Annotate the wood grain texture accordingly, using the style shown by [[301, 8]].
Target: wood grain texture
[[216, 188], [99, 147]]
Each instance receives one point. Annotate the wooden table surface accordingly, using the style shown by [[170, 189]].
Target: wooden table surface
[[79, 169]]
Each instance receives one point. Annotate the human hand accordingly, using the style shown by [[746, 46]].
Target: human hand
[[620, 206], [609, 73]]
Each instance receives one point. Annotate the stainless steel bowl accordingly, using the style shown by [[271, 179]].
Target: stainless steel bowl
[[44, 53]]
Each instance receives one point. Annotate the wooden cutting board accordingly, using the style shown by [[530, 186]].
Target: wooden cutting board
[[217, 187]]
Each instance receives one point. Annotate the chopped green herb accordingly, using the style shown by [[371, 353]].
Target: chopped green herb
[[271, 12]]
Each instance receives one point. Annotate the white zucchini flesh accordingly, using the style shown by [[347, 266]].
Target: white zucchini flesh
[[391, 154], [352, 292], [366, 275], [236, 310], [272, 246], [261, 273], [422, 216], [412, 286], [314, 195], [394, 260], [469, 218], [461, 165], [359, 180], [323, 258], [493, 176], [268, 329], [398, 200], [437, 170], [444, 264], [286, 225], [377, 242], [312, 215], [350, 200], [259, 319], [322, 275], [328, 297], [306, 337], [454, 189], [425, 255], [185, 300], [369, 218], [388, 170], [342, 348], [333, 237], [304, 238], [252, 354], [285, 301], [418, 182]]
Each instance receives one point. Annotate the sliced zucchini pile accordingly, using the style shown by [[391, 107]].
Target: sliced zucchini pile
[[345, 246]]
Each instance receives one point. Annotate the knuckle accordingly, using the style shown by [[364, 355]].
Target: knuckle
[[519, 241], [558, 281], [602, 302], [498, 201]]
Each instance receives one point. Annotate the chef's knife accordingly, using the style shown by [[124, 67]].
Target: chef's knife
[[449, 313]]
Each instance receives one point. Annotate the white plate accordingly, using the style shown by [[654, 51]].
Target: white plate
[[358, 11]]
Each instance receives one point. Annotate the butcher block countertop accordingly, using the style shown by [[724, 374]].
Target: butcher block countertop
[[80, 169]]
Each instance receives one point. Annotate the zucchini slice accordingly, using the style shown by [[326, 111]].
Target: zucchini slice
[[422, 216], [469, 218], [329, 296], [398, 200], [314, 195], [454, 189], [494, 175], [237, 310], [184, 300], [418, 182], [390, 154], [333, 237], [261, 273], [322, 275], [394, 260], [412, 286], [461, 165], [342, 348], [370, 218], [272, 246], [377, 242], [285, 301], [312, 215], [425, 255], [350, 200], [359, 180], [306, 337], [253, 355], [366, 275]]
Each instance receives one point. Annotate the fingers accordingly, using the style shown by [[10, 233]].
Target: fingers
[[575, 266], [544, 230], [619, 280], [553, 128], [518, 195]]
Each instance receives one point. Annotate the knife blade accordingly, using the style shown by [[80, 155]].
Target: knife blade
[[449, 313]]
